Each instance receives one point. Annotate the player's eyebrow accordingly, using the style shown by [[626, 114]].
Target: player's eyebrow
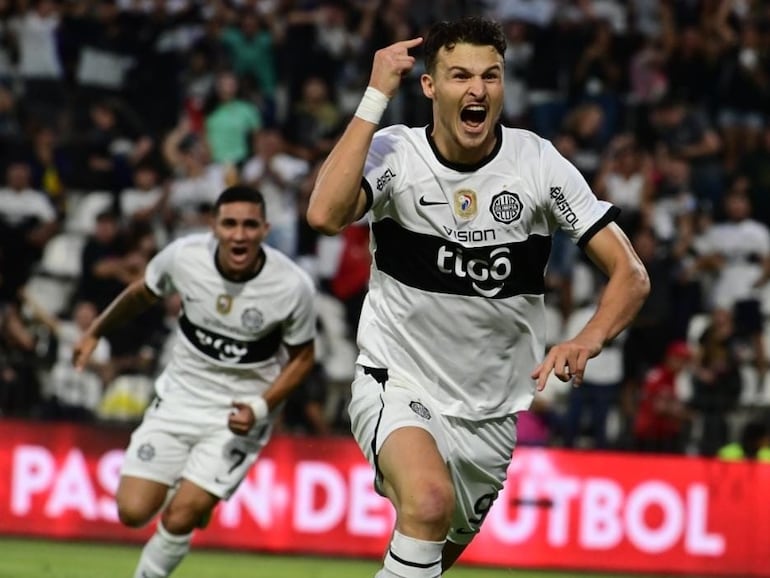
[[457, 68]]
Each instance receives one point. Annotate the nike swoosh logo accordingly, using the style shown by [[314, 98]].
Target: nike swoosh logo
[[425, 203]]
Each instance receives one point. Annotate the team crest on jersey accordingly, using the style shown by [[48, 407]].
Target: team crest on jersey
[[465, 203], [419, 409], [506, 207], [145, 452], [252, 319], [224, 303]]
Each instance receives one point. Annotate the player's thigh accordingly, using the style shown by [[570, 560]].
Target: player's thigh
[[220, 460], [411, 467], [398, 431], [480, 455], [139, 499]]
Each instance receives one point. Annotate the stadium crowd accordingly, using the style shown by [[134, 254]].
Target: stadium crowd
[[122, 120]]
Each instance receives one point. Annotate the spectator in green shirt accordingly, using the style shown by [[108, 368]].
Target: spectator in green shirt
[[249, 46], [230, 121]]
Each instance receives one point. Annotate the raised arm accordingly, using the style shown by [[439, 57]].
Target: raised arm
[[134, 299], [624, 295], [338, 198]]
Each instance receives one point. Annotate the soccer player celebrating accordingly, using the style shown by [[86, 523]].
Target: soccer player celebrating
[[451, 335], [245, 341]]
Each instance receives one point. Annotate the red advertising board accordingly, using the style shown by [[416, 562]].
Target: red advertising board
[[593, 511]]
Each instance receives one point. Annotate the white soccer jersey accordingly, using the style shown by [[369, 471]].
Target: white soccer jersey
[[455, 306], [230, 333]]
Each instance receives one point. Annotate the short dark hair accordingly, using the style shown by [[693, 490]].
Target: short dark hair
[[240, 194], [473, 30]]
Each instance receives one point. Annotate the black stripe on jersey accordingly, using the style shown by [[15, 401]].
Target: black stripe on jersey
[[438, 265], [228, 350], [369, 196], [611, 214]]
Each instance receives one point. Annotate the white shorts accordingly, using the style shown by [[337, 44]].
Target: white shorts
[[173, 443], [477, 452]]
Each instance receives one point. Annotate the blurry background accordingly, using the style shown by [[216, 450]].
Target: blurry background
[[122, 120]]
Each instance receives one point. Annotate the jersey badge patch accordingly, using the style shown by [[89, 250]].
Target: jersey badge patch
[[146, 452], [465, 204], [224, 303], [252, 319], [419, 409], [506, 207]]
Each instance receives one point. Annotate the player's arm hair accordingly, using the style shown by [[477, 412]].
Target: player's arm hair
[[135, 299], [301, 362], [628, 285], [338, 199]]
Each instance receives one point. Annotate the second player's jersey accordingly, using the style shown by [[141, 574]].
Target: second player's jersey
[[230, 333], [455, 305]]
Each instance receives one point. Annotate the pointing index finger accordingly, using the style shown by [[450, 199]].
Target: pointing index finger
[[411, 43]]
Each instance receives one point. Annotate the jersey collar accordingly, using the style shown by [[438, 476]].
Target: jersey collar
[[462, 167]]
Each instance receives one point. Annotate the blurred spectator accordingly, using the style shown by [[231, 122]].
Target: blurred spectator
[[230, 121], [35, 31], [581, 139], [10, 127], [277, 174], [51, 166], [144, 203], [754, 444], [70, 394], [27, 222], [688, 135], [19, 363], [744, 94], [738, 252], [596, 77], [755, 166], [350, 280], [314, 122], [518, 63], [249, 43], [693, 65], [101, 41], [113, 143], [673, 196], [106, 268], [717, 381], [197, 82], [662, 417], [195, 181], [625, 180]]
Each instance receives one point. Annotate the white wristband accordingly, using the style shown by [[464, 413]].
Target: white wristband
[[372, 105], [260, 409]]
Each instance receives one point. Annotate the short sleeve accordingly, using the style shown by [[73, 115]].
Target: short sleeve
[[300, 326], [157, 275], [381, 170], [572, 204]]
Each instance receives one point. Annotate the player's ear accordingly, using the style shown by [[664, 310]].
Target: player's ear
[[426, 80]]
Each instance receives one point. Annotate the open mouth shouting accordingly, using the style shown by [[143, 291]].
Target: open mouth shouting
[[239, 255], [473, 117]]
